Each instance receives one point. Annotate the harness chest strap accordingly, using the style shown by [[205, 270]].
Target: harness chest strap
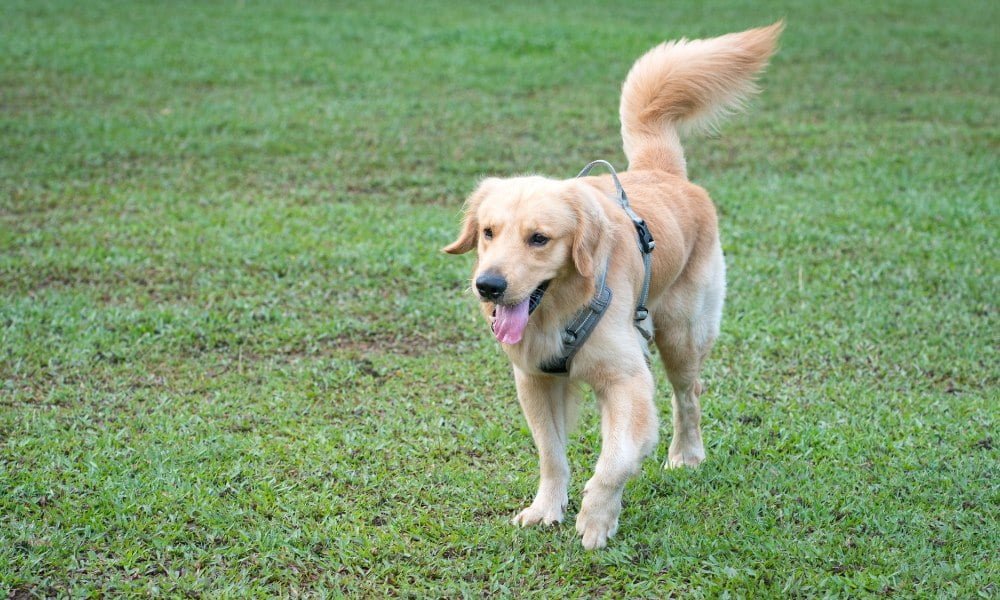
[[577, 332]]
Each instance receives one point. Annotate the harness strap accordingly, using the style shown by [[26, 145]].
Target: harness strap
[[646, 245], [577, 332]]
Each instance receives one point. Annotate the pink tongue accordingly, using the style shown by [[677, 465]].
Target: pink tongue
[[510, 321]]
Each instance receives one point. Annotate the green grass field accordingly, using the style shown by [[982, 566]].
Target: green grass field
[[233, 361]]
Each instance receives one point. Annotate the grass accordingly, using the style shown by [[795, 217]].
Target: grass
[[235, 364]]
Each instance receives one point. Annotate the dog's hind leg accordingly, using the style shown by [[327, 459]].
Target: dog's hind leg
[[629, 433], [684, 337], [548, 404]]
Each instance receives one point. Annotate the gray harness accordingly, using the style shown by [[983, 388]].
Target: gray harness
[[585, 321]]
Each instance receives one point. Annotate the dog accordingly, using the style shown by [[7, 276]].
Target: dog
[[548, 249]]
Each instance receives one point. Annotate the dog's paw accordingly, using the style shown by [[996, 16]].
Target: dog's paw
[[546, 513], [684, 456], [596, 527], [598, 518]]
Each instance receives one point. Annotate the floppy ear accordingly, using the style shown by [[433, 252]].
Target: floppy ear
[[469, 236], [592, 238]]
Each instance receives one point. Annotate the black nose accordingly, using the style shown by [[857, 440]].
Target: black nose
[[491, 286]]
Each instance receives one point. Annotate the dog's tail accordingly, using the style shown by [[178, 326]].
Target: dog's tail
[[684, 85]]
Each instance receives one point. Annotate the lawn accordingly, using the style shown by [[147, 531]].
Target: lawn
[[234, 363]]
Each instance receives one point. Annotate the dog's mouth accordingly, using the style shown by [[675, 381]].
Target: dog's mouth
[[510, 320]]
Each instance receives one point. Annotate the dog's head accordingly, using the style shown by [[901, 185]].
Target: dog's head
[[530, 233]]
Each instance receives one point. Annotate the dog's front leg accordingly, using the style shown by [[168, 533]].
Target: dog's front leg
[[544, 400], [629, 434]]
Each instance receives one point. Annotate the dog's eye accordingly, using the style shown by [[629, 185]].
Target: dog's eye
[[538, 240], [488, 233]]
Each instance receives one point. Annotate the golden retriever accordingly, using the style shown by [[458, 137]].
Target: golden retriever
[[543, 244]]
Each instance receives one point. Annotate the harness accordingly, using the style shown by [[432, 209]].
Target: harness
[[586, 320]]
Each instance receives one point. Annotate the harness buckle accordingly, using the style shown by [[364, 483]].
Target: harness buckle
[[646, 241], [600, 302], [641, 312]]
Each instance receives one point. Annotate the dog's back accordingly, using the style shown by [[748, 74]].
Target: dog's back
[[685, 85]]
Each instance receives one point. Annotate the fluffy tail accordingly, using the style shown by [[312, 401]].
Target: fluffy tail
[[686, 85]]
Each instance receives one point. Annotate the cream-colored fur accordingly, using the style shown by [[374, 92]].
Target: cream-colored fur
[[673, 88]]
